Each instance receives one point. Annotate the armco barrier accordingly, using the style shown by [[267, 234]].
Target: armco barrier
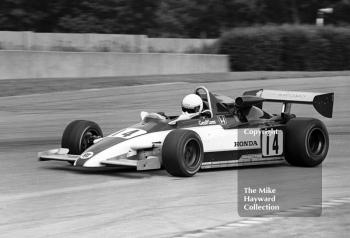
[[50, 64]]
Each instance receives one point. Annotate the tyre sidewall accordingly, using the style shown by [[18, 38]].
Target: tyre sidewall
[[315, 158], [181, 147], [173, 153], [298, 151]]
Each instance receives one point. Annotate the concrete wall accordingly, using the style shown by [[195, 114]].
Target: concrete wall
[[25, 40], [176, 44], [12, 40], [87, 42], [38, 64]]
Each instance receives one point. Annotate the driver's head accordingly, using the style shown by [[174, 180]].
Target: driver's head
[[192, 104]]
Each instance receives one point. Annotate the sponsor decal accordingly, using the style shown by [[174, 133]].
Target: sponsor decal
[[87, 155], [251, 143], [212, 122], [204, 122], [222, 119]]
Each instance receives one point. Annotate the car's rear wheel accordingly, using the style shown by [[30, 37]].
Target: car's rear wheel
[[182, 153], [79, 135], [307, 142]]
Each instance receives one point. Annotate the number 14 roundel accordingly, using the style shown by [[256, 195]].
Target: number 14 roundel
[[272, 143]]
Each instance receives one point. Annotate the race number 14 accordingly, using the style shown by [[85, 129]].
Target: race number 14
[[128, 133], [272, 143]]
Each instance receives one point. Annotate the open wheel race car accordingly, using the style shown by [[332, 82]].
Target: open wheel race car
[[226, 133]]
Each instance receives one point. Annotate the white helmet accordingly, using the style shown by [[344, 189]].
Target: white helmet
[[192, 104]]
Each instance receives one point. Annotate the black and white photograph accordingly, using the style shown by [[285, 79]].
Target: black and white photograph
[[174, 118]]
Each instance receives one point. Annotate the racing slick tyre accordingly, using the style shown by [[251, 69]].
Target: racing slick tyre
[[182, 153], [79, 135], [307, 142]]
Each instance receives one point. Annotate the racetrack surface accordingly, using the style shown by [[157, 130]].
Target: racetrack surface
[[51, 199], [12, 87]]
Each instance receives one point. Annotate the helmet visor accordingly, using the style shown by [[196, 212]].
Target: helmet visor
[[190, 110]]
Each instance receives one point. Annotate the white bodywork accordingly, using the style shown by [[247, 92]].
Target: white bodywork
[[214, 138]]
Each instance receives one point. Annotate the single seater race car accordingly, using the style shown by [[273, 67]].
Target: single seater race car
[[228, 132]]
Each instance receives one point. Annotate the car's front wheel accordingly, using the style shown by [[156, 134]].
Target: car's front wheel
[[182, 153], [79, 135]]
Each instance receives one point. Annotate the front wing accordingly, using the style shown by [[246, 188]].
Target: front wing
[[61, 154]]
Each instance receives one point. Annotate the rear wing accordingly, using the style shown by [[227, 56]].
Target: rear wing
[[322, 102]]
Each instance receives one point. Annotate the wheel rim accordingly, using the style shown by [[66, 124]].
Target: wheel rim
[[191, 154], [88, 139], [316, 141]]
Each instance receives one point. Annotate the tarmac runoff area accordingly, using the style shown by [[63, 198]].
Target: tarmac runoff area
[[52, 199]]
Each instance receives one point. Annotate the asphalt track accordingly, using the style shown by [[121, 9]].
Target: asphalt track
[[50, 199]]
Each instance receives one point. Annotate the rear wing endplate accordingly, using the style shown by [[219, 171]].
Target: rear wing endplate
[[322, 102]]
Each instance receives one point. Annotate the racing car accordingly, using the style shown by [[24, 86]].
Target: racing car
[[227, 133]]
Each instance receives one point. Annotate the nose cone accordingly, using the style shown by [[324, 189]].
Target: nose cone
[[89, 157]]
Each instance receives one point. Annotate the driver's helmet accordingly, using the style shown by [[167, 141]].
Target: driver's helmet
[[192, 104]]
